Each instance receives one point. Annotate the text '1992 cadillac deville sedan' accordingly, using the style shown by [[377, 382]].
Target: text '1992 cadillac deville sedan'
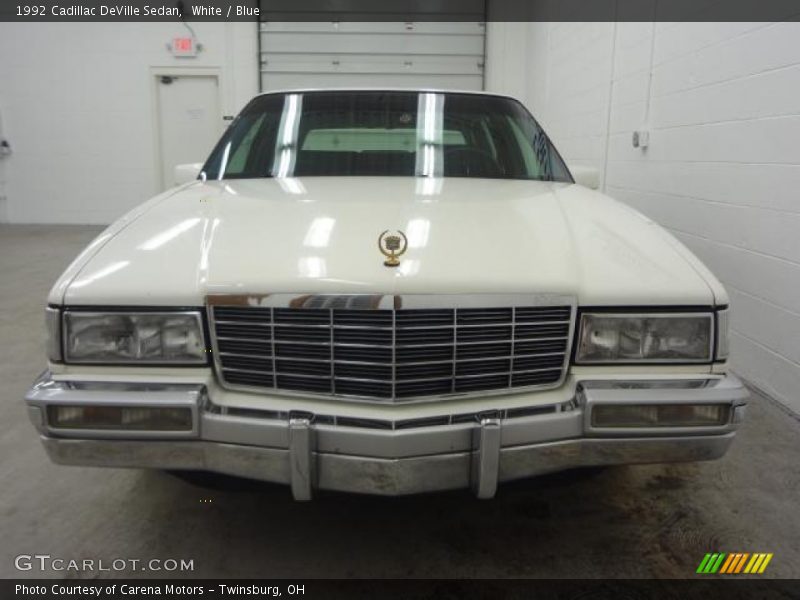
[[385, 292]]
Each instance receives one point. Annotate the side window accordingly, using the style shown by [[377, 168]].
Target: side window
[[559, 169]]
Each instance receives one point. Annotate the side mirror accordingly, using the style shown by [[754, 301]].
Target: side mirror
[[586, 176], [186, 173]]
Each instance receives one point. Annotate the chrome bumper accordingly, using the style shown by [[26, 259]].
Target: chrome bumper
[[310, 452]]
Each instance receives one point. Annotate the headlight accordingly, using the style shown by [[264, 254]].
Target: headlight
[[632, 338], [133, 337]]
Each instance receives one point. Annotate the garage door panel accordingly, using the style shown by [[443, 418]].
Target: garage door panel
[[441, 49], [287, 81], [373, 10], [387, 27], [364, 43], [401, 65]]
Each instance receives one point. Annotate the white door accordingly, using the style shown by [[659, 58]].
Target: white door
[[189, 120]]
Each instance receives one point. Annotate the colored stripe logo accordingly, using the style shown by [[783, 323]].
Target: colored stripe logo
[[734, 563]]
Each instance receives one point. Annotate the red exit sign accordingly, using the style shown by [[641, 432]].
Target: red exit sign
[[184, 46]]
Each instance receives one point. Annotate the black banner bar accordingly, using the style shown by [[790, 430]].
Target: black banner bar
[[732, 588], [398, 10]]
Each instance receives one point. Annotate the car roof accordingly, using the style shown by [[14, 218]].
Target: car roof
[[385, 89]]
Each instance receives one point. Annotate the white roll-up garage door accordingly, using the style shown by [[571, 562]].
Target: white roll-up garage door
[[437, 54]]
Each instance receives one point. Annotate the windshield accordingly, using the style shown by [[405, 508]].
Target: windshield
[[423, 134]]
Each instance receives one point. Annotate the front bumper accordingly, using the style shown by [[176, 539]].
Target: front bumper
[[315, 451]]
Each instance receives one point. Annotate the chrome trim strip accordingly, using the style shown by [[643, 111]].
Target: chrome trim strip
[[387, 364], [454, 366], [265, 356], [393, 302], [300, 458], [439, 427], [54, 334], [431, 345], [47, 392], [701, 389], [389, 301], [310, 451], [728, 391], [486, 459], [513, 343], [394, 352], [255, 324], [395, 380], [722, 342], [330, 356], [383, 328], [212, 328], [389, 477], [256, 372]]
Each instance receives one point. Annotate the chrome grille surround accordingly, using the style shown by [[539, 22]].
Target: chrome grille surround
[[391, 348]]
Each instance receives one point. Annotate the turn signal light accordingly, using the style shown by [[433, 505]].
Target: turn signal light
[[121, 418], [660, 415]]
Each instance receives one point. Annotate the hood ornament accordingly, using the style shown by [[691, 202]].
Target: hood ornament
[[392, 245]]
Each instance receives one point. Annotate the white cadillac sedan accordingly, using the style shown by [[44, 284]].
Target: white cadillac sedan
[[385, 292]]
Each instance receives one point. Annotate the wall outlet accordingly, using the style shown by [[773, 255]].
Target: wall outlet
[[641, 138]]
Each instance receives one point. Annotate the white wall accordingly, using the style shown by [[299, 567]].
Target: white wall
[[76, 101], [722, 172], [3, 199]]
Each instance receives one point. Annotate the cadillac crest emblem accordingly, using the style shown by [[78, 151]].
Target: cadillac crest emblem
[[392, 245]]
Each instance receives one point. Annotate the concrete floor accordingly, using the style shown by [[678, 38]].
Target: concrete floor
[[626, 522]]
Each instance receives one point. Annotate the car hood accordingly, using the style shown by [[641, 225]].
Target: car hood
[[320, 235]]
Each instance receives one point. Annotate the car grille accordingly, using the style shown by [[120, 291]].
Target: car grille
[[390, 354]]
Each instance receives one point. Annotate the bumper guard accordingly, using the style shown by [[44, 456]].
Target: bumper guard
[[309, 452]]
